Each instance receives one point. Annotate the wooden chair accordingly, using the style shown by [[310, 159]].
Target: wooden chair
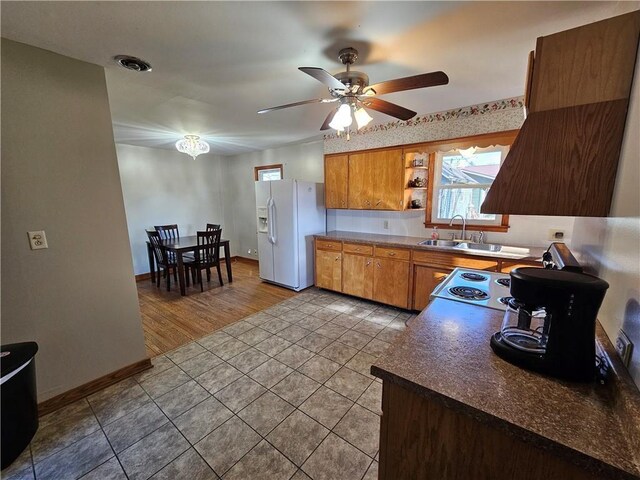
[[207, 255], [164, 262], [212, 226]]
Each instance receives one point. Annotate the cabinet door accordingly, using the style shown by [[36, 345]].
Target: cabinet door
[[336, 175], [425, 279], [388, 179], [391, 282], [358, 275], [360, 181], [329, 270]]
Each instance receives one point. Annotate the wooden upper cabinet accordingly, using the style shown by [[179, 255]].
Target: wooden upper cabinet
[[336, 181], [388, 179], [360, 181]]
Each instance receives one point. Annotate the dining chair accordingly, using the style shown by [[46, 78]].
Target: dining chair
[[207, 255], [163, 260], [212, 226]]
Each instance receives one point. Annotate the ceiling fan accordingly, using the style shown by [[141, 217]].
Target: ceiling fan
[[352, 90]]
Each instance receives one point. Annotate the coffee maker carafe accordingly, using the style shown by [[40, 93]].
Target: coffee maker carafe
[[550, 322]]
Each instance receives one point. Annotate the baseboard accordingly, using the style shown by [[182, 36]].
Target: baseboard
[[252, 261], [147, 276], [93, 386]]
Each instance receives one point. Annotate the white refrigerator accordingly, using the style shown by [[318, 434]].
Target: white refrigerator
[[289, 213]]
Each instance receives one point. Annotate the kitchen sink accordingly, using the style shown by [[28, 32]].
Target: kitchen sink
[[485, 247], [439, 243]]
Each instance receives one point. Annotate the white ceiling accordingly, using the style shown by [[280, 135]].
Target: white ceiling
[[216, 63]]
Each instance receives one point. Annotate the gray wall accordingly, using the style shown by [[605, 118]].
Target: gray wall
[[78, 298], [301, 162], [611, 246], [164, 186]]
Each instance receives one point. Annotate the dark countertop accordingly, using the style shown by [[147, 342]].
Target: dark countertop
[[535, 253], [444, 354]]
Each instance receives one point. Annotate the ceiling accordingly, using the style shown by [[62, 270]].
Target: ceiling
[[216, 63]]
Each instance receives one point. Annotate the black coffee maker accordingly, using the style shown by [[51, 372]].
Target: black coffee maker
[[550, 322]]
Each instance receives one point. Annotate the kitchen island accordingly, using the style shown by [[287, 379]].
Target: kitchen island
[[452, 409]]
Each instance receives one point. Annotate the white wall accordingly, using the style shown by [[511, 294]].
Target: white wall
[[78, 298], [164, 187], [301, 162], [611, 246]]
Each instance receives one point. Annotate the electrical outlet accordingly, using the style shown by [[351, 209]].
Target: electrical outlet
[[624, 347], [556, 235], [249, 251], [37, 240], [386, 224]]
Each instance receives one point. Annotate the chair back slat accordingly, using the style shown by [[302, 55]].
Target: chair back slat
[[213, 226], [209, 243], [168, 232]]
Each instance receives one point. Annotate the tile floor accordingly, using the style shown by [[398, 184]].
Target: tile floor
[[283, 394]]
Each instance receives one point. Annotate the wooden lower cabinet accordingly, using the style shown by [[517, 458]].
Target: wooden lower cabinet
[[422, 438], [391, 282], [425, 279], [357, 275], [329, 270]]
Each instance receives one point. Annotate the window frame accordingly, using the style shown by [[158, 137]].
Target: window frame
[[481, 141], [258, 169]]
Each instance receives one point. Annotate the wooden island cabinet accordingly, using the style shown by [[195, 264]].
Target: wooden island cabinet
[[403, 277]]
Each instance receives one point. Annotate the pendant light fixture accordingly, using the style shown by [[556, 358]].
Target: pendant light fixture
[[192, 145]]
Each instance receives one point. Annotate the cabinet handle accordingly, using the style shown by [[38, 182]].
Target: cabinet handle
[[378, 264], [357, 249], [378, 202], [368, 263], [391, 254], [337, 258]]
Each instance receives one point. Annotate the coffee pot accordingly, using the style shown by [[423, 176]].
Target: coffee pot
[[549, 325]]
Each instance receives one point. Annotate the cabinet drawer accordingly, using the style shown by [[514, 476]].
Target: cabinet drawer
[[357, 248], [389, 252], [333, 245], [452, 260]]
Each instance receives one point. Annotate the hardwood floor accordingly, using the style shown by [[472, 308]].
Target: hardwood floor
[[170, 320]]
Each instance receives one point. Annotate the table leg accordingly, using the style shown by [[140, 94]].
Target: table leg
[[183, 290], [227, 261], [152, 263]]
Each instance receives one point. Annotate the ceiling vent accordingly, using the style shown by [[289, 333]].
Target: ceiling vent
[[132, 63]]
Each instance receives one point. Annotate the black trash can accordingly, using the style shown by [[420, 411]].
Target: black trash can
[[18, 398]]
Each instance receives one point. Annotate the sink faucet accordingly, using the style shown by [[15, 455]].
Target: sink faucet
[[464, 225]]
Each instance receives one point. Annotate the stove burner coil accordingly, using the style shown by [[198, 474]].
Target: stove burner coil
[[468, 293], [474, 277], [505, 282]]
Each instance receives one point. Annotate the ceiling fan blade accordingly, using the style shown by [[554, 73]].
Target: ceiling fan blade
[[327, 121], [389, 108], [409, 83], [324, 77], [304, 102]]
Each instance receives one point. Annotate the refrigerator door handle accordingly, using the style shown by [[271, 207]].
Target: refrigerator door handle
[[271, 216]]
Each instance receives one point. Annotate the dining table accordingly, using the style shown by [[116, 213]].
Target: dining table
[[180, 246]]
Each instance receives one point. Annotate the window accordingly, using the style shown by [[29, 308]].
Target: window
[[461, 172], [267, 173], [461, 183]]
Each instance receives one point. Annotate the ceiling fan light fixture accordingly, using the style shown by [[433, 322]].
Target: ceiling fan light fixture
[[362, 117], [342, 119], [192, 145]]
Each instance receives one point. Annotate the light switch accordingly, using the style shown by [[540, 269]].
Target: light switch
[[37, 240]]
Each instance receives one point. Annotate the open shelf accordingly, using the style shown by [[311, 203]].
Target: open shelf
[[415, 188]]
